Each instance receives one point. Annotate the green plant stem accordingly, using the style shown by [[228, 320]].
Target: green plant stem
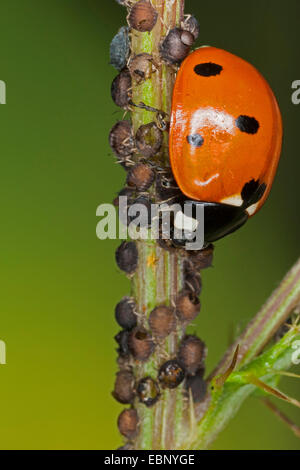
[[159, 275], [224, 402]]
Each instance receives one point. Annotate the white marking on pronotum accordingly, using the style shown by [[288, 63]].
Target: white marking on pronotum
[[183, 222], [233, 200], [252, 209]]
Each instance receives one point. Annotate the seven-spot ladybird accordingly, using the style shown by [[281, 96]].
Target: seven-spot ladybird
[[225, 138]]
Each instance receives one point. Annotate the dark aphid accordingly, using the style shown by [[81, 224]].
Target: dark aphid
[[124, 387], [128, 423], [122, 339], [125, 313], [187, 306], [141, 176], [192, 279], [141, 344], [142, 16], [139, 212], [191, 24], [171, 374], [121, 139], [121, 89], [120, 48], [192, 353], [176, 45], [141, 67], [162, 321], [202, 259], [166, 188], [127, 257], [123, 208], [149, 139], [148, 391], [197, 385]]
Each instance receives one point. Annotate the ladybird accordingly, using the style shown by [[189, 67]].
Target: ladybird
[[225, 138]]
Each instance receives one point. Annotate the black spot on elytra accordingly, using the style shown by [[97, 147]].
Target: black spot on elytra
[[252, 192], [247, 124], [196, 140], [208, 69]]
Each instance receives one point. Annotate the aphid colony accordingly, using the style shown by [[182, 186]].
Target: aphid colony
[[137, 153]]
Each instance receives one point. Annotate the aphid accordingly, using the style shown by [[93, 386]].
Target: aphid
[[140, 176], [120, 48], [148, 391], [141, 67], [192, 353], [121, 140], [128, 423], [123, 209], [201, 259], [141, 215], [149, 139], [124, 387], [197, 385], [141, 344], [125, 313], [122, 339], [121, 89], [191, 24], [187, 306], [171, 374], [225, 138], [176, 45], [142, 16], [162, 321], [192, 279], [166, 188], [127, 257]]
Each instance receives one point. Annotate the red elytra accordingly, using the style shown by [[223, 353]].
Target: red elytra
[[225, 132]]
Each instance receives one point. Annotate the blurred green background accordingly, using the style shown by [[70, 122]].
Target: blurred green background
[[59, 284]]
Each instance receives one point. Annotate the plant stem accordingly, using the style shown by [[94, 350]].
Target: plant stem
[[159, 275]]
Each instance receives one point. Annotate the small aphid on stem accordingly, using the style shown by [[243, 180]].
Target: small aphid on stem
[[171, 374], [141, 176], [141, 67], [148, 391], [187, 306], [128, 423], [141, 344], [162, 321], [176, 45], [127, 257], [192, 353], [124, 387], [121, 139], [191, 24], [122, 339], [125, 313], [142, 16], [149, 139], [121, 89]]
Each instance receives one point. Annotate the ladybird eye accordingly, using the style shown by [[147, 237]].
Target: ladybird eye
[[196, 140], [247, 124], [208, 69]]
